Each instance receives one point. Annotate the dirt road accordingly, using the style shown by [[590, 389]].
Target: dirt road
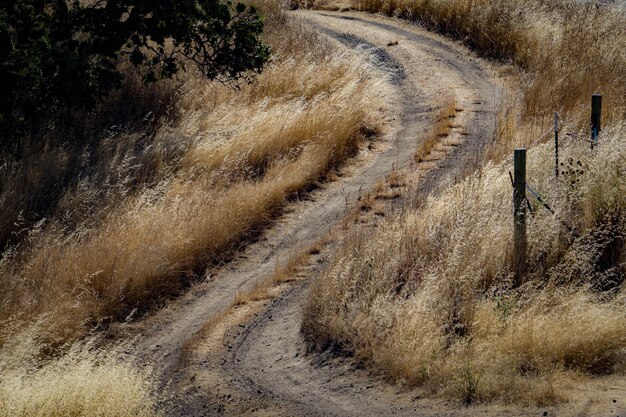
[[263, 368]]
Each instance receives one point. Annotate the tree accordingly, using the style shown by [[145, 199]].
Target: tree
[[59, 55]]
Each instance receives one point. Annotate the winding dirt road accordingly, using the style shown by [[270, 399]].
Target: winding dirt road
[[261, 366]]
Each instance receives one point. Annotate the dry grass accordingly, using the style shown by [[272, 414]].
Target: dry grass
[[568, 50], [111, 153], [142, 211], [81, 389], [429, 297], [441, 129], [83, 383], [238, 157], [284, 273]]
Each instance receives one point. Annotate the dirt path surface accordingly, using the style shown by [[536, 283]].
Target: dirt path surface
[[262, 367]]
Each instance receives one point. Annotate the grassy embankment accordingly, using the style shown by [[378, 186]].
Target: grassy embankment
[[100, 233], [429, 298]]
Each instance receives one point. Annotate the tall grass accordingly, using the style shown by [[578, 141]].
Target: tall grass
[[173, 180], [217, 176], [85, 382], [111, 151], [429, 299], [568, 50], [81, 389]]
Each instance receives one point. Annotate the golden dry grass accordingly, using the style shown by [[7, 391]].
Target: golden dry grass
[[80, 389], [240, 156], [160, 207], [429, 297], [441, 129], [85, 382], [567, 50]]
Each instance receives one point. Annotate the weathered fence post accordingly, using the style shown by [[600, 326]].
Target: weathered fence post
[[519, 215], [556, 144], [596, 114]]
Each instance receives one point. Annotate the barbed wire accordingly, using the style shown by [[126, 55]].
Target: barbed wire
[[542, 201], [570, 119]]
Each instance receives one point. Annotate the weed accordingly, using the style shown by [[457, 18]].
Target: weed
[[467, 383]]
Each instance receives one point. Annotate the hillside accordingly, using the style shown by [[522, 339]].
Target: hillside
[[325, 230]]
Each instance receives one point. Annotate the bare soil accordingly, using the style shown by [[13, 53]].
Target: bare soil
[[253, 360]]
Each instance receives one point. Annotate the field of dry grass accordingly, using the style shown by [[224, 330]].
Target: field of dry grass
[[567, 50], [193, 171], [152, 207], [429, 297], [239, 156], [84, 382]]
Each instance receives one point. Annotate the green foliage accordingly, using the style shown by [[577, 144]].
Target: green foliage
[[62, 55], [467, 383], [506, 305]]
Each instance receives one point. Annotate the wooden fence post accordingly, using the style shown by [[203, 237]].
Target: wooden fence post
[[556, 144], [596, 114], [519, 215]]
